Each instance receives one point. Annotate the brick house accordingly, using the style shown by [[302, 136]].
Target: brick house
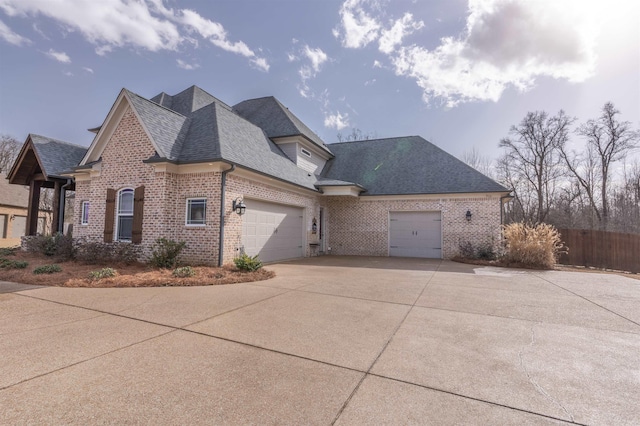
[[184, 166]]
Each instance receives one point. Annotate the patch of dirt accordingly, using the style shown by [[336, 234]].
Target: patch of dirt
[[76, 274]]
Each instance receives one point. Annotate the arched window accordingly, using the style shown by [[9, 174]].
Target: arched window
[[124, 218]]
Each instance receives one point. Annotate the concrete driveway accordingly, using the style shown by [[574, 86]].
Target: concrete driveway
[[342, 340]]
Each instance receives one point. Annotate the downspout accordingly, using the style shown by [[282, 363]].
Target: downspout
[[61, 205], [223, 185]]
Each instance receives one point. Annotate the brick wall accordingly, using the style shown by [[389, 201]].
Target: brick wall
[[358, 226], [355, 226]]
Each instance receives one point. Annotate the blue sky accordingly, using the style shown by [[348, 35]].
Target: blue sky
[[458, 73]]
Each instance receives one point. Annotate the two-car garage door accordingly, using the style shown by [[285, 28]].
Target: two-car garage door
[[272, 231], [415, 234]]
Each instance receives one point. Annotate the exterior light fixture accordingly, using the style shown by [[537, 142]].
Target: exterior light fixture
[[239, 206], [468, 216]]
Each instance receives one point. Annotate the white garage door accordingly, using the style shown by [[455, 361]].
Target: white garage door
[[272, 231], [19, 226], [415, 234]]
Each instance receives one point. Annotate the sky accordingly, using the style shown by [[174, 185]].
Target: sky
[[458, 73]]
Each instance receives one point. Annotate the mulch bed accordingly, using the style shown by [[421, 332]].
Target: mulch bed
[[76, 274]]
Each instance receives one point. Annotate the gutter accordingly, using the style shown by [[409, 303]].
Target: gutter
[[223, 185]]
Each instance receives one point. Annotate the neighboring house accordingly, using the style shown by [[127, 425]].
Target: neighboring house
[[177, 166], [13, 214]]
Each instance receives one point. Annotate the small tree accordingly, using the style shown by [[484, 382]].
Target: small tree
[[9, 149], [532, 164], [608, 140]]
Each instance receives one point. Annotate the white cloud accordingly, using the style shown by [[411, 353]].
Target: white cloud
[[87, 69], [336, 121], [58, 56], [377, 64], [316, 56], [358, 28], [68, 73], [260, 63], [495, 53], [11, 37], [186, 66], [145, 24], [401, 28], [506, 43]]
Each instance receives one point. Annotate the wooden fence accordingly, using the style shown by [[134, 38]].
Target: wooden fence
[[600, 249]]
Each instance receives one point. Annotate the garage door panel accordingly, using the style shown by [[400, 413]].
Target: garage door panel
[[415, 234], [278, 232]]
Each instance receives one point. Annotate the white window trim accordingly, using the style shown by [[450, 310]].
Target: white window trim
[[117, 215], [305, 151], [186, 213], [85, 206]]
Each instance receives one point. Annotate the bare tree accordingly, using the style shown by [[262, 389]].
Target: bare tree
[[480, 162], [608, 140], [532, 162], [355, 135], [9, 149]]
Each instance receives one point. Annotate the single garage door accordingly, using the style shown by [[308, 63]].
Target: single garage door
[[415, 234], [272, 231], [19, 226]]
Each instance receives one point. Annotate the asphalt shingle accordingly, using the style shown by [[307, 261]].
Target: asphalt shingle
[[276, 119], [57, 156], [404, 165]]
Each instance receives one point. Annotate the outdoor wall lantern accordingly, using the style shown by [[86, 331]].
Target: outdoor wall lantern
[[468, 215], [239, 206]]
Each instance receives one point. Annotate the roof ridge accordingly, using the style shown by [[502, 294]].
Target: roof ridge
[[154, 103], [379, 139]]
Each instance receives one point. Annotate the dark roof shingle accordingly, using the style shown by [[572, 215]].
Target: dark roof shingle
[[404, 165], [57, 157]]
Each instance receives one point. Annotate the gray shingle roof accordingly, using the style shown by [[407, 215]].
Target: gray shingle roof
[[211, 132], [276, 119], [57, 156], [404, 165], [167, 128]]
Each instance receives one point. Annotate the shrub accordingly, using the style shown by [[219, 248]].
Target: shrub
[[102, 273], [247, 263], [165, 253], [8, 251], [99, 253], [482, 251], [47, 269], [58, 245], [12, 264], [184, 272], [536, 246]]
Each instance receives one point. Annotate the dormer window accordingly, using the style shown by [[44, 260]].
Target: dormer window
[[305, 152]]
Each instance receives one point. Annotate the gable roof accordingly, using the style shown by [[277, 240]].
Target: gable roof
[[41, 154], [404, 165], [276, 119]]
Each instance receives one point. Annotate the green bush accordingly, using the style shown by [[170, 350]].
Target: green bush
[[47, 269], [8, 251], [247, 263], [165, 253], [536, 246], [12, 264], [102, 273], [184, 272]]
